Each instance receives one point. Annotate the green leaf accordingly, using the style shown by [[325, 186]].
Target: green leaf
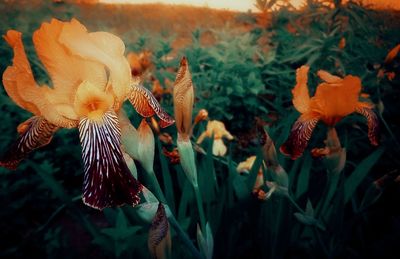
[[304, 176], [361, 171], [206, 242]]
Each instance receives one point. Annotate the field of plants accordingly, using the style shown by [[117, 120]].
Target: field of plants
[[273, 134]]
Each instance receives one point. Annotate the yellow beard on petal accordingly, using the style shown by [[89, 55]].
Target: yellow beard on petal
[[91, 102]]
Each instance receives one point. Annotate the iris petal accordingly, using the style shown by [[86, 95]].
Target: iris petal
[[34, 133], [147, 105], [299, 136], [372, 121], [107, 179]]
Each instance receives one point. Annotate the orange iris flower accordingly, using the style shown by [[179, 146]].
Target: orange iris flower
[[91, 79], [334, 99]]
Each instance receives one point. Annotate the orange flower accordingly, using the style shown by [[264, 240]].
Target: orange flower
[[201, 115], [172, 155], [334, 99], [217, 129], [139, 63], [91, 79]]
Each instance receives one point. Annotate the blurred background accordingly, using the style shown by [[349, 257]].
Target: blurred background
[[243, 56]]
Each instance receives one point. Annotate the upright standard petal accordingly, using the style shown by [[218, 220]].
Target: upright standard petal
[[365, 109], [147, 105], [337, 100], [328, 77], [299, 135], [34, 133], [301, 96], [66, 70], [20, 85], [183, 100], [107, 179], [100, 47]]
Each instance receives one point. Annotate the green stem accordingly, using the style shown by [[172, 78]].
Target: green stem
[[295, 204], [184, 238], [200, 208], [156, 187], [181, 234]]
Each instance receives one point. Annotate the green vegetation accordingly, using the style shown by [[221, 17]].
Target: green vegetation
[[243, 78]]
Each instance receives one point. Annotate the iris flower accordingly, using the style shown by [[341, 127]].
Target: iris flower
[[217, 129], [334, 99], [91, 79]]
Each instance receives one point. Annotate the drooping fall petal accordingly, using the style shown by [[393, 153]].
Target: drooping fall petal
[[18, 79], [219, 148], [159, 241], [299, 136], [107, 179], [301, 96], [365, 109], [34, 133], [183, 100], [147, 105]]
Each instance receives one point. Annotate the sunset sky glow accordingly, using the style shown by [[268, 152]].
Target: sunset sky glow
[[236, 5], [241, 5]]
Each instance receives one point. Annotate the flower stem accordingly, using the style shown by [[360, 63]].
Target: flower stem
[[295, 204], [174, 223], [199, 201], [156, 186], [183, 237]]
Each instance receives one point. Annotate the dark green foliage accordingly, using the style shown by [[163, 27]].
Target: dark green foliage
[[238, 78]]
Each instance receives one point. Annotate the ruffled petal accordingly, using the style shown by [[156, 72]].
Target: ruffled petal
[[66, 70], [20, 85], [147, 105], [34, 133], [337, 100], [366, 110], [299, 136], [328, 77], [301, 96], [107, 179], [101, 47]]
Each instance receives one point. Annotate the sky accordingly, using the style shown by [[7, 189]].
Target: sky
[[237, 5], [242, 5]]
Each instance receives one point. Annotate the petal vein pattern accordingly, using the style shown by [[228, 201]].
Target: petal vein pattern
[[107, 179], [147, 105], [34, 133]]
